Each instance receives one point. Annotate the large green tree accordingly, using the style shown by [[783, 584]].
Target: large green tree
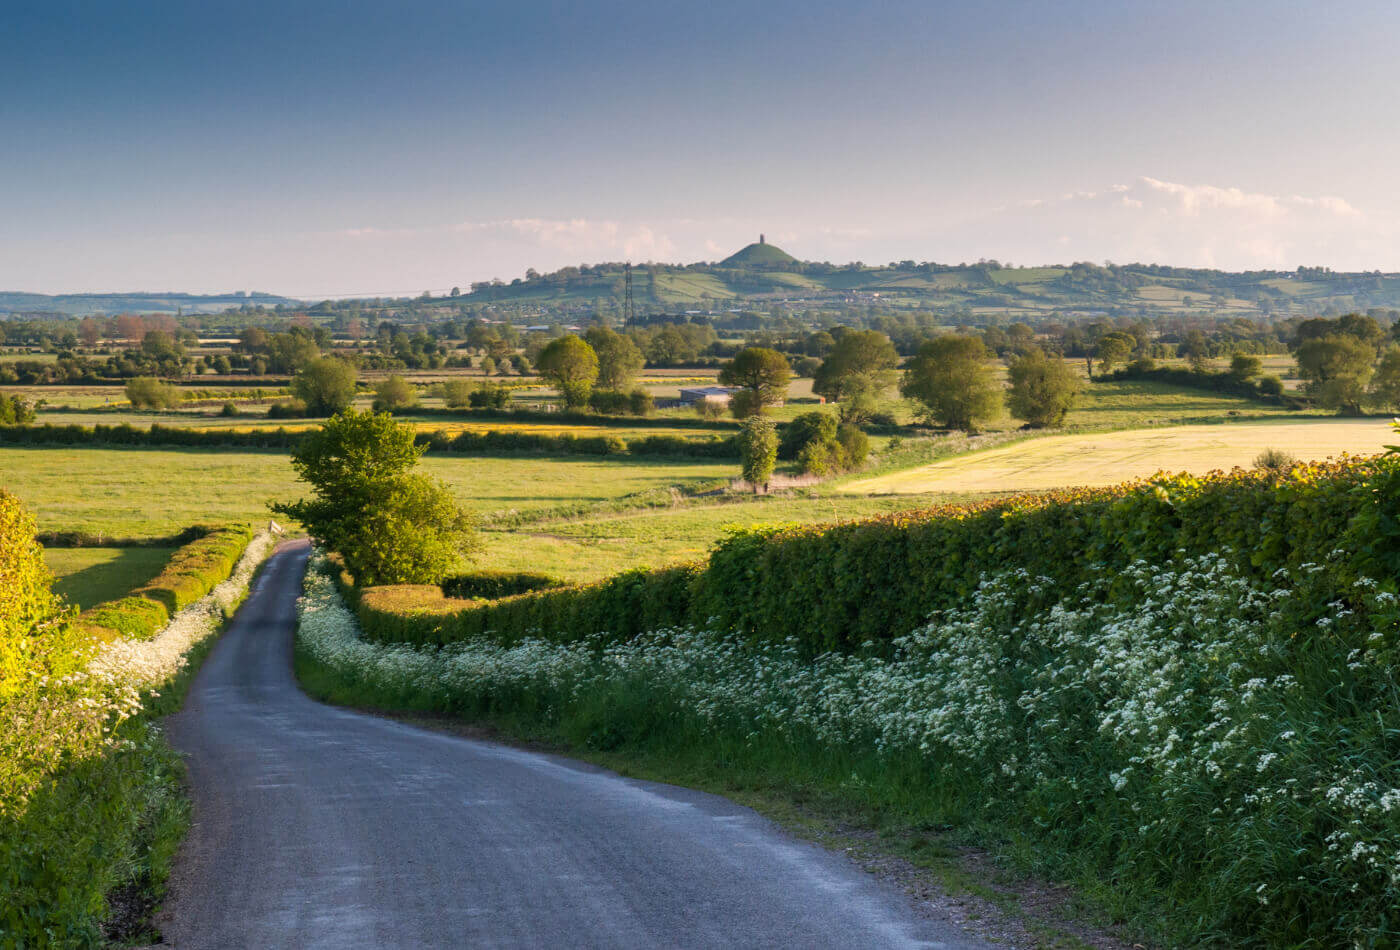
[[762, 373], [1336, 369], [1043, 388], [860, 361], [950, 378], [391, 525], [326, 385], [619, 359], [571, 365], [1385, 385]]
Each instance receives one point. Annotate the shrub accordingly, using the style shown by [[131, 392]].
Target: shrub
[[1274, 460], [394, 393], [489, 397], [607, 401], [709, 409], [288, 409], [228, 409], [457, 393], [147, 392], [640, 403], [758, 450], [15, 411]]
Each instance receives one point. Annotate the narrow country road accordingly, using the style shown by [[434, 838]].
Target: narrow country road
[[319, 827]]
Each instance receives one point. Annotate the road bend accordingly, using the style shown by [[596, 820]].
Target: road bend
[[320, 827]]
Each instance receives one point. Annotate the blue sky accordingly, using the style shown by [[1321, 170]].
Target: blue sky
[[358, 147]]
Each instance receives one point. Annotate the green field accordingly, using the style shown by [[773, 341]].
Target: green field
[[152, 492], [90, 576]]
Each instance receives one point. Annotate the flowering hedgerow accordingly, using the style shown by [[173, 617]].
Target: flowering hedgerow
[[1221, 749], [150, 663], [87, 785]]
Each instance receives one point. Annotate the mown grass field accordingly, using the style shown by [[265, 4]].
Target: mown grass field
[[149, 492], [1089, 459], [90, 576]]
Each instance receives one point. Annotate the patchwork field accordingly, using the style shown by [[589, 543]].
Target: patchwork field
[[1089, 459]]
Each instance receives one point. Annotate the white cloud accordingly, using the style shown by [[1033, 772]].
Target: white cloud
[[1152, 220]]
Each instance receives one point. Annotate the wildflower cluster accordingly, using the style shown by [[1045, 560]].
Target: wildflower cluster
[[1216, 742]]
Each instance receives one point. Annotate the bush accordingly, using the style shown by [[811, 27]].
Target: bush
[[228, 410], [709, 409], [758, 450], [1274, 460], [489, 397], [457, 393], [1270, 385], [394, 393], [288, 409], [608, 402], [640, 403], [147, 392], [15, 411]]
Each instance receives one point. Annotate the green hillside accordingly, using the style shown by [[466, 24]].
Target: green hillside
[[760, 252]]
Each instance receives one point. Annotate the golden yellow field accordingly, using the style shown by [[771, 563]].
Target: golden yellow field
[[1089, 459]]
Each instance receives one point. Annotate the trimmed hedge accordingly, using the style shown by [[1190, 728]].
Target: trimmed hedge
[[193, 571], [493, 585], [860, 584]]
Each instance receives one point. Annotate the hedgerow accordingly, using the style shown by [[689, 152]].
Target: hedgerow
[[192, 572], [89, 792], [469, 442], [860, 584], [1178, 695]]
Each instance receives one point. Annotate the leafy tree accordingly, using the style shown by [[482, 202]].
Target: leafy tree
[[1385, 385], [758, 450], [456, 393], [15, 411], [1336, 368], [1244, 367], [147, 392], [1113, 348], [394, 393], [326, 385], [1195, 348], [619, 360], [1042, 389], [572, 366], [391, 525], [860, 361], [292, 351], [815, 426], [949, 375], [760, 372]]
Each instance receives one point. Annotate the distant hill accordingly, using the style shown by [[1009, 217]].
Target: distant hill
[[760, 252], [762, 275], [82, 305]]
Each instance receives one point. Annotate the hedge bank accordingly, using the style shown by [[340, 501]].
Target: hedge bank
[[857, 585], [192, 571]]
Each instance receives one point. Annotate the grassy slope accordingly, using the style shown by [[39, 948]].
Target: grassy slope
[[90, 576]]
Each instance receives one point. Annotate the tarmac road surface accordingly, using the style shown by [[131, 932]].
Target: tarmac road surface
[[319, 827]]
